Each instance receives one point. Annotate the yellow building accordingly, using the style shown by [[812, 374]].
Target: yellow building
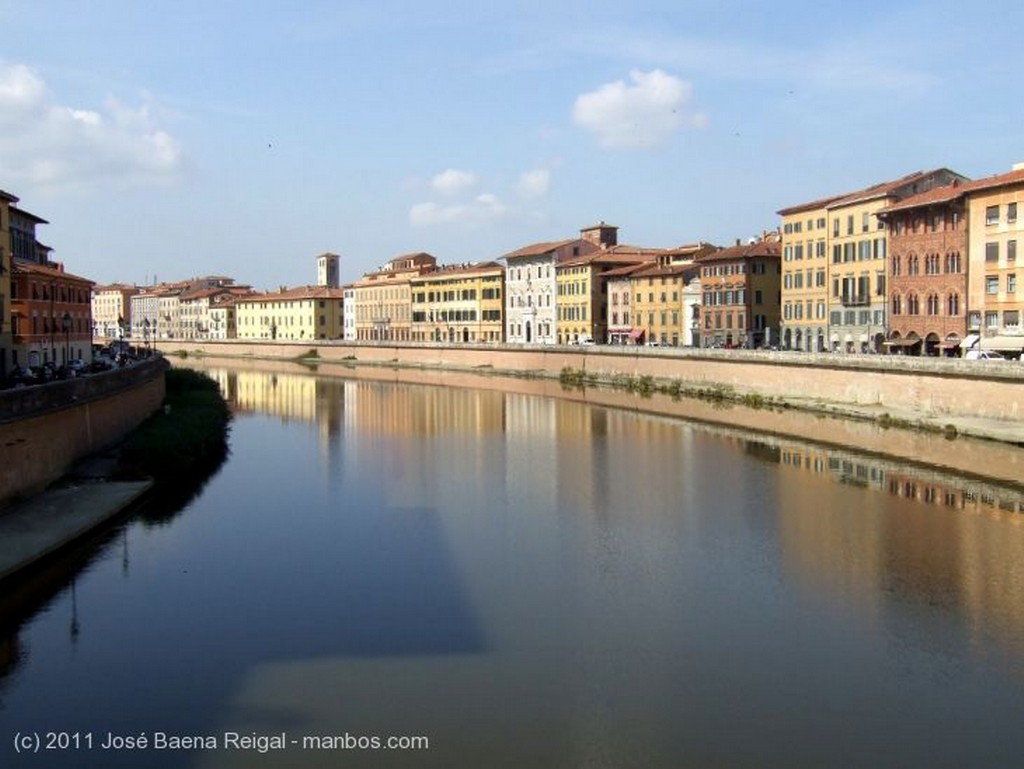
[[459, 303], [995, 303], [582, 296], [658, 293], [112, 310], [307, 312], [804, 324], [383, 299], [855, 243]]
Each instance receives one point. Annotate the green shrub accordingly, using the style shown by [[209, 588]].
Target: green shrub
[[187, 436]]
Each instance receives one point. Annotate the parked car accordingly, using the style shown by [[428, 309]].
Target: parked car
[[21, 376], [983, 355], [77, 365]]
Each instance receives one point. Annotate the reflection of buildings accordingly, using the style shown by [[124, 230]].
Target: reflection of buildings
[[872, 531]]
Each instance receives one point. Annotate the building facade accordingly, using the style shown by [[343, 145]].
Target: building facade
[[996, 230], [328, 270], [112, 310], [804, 302], [304, 313], [459, 303], [657, 302], [383, 299], [582, 294], [51, 315], [349, 313], [927, 286], [841, 241], [6, 201], [620, 305], [741, 289], [145, 314], [531, 289]]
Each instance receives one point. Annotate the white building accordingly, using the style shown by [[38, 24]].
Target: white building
[[531, 289], [349, 314], [112, 310]]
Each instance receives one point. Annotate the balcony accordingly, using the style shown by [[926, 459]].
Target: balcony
[[855, 300]]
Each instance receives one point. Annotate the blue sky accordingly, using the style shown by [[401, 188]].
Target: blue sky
[[245, 138]]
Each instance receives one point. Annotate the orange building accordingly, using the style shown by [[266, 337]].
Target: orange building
[[741, 289], [51, 315]]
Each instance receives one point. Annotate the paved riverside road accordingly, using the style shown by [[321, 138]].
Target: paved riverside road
[[37, 527]]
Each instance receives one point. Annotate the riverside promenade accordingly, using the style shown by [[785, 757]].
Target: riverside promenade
[[39, 527]]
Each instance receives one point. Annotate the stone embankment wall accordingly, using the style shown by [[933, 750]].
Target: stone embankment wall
[[904, 387], [45, 429]]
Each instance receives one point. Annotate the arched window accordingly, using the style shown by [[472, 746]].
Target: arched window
[[953, 304], [897, 304], [913, 304], [933, 304], [896, 264]]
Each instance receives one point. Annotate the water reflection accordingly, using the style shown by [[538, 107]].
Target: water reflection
[[545, 582], [912, 538]]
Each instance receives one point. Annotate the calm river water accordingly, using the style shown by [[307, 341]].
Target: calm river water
[[527, 582]]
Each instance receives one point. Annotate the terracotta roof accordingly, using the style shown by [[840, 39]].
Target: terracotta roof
[[813, 205], [300, 292], [604, 257], [657, 270], [943, 194], [202, 293], [626, 271], [448, 270], [45, 271], [883, 189], [746, 251], [999, 180], [539, 249]]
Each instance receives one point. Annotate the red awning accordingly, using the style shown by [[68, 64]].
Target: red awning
[[636, 333]]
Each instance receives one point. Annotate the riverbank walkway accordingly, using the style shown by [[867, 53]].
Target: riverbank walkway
[[38, 527]]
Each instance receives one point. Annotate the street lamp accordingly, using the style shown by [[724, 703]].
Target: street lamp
[[65, 323]]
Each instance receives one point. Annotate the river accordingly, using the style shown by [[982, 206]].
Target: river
[[494, 578]]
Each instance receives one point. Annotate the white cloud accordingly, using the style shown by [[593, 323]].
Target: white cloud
[[484, 208], [456, 206], [48, 144], [644, 114], [453, 181], [534, 184]]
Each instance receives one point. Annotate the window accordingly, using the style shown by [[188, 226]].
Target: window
[[1011, 318], [1011, 250], [835, 228], [991, 252], [865, 221], [992, 215], [1011, 283], [953, 305], [991, 284], [1011, 212], [991, 319]]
